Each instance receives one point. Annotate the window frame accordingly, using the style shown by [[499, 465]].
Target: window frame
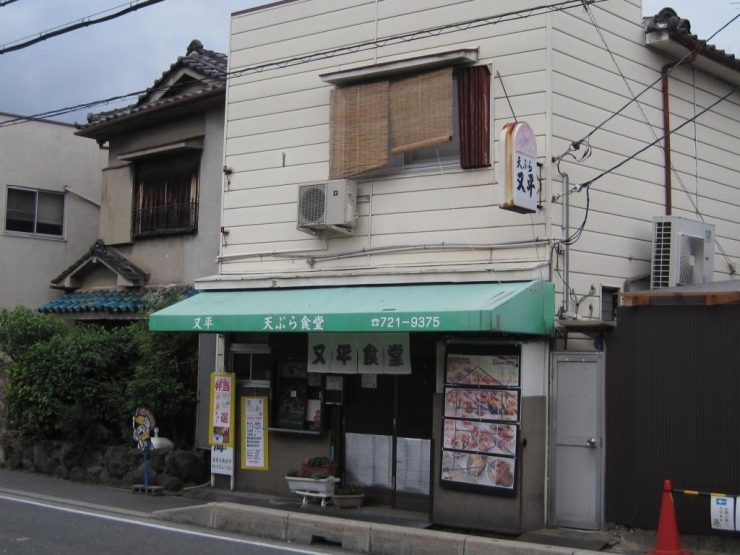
[[250, 349], [146, 221], [404, 164], [35, 232]]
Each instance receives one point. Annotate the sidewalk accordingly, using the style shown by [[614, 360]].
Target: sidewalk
[[371, 529]]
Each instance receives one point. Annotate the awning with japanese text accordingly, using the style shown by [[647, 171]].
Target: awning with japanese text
[[521, 308]]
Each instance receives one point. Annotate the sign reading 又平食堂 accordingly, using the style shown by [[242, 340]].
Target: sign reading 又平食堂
[[520, 188], [363, 353], [221, 409], [254, 437]]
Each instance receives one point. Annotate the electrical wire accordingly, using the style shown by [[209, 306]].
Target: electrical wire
[[652, 129], [68, 28], [576, 144], [326, 54], [587, 184]]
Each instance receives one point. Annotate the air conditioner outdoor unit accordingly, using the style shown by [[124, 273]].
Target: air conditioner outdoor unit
[[326, 208], [683, 252]]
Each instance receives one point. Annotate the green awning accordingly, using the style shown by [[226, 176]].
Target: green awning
[[521, 308]]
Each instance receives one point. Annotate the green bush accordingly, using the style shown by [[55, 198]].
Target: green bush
[[83, 383]]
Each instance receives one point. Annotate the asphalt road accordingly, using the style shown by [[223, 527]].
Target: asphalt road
[[36, 528], [46, 516]]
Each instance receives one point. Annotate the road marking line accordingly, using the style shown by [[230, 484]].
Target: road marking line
[[161, 527]]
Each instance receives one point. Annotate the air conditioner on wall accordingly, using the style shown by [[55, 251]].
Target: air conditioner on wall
[[327, 208], [683, 252]]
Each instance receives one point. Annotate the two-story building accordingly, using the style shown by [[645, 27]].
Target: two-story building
[[430, 208], [161, 193], [50, 205]]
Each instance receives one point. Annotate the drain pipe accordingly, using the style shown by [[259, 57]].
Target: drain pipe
[[667, 169]]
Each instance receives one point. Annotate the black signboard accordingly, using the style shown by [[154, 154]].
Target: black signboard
[[291, 404]]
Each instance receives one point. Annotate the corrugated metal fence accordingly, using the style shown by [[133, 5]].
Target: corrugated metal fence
[[672, 411]]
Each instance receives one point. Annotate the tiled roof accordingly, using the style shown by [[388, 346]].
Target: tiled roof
[[668, 20], [111, 258], [211, 66], [112, 301]]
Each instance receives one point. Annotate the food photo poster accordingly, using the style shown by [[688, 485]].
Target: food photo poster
[[481, 423]]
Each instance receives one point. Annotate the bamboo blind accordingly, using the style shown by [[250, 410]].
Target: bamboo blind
[[421, 111], [359, 129]]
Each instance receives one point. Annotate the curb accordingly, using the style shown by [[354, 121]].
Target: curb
[[352, 535]]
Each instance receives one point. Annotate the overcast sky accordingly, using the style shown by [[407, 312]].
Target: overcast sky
[[127, 54]]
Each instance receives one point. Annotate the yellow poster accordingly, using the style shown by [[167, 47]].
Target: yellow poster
[[254, 437], [221, 414]]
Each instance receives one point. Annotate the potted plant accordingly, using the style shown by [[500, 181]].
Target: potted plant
[[317, 482], [319, 464], [349, 496]]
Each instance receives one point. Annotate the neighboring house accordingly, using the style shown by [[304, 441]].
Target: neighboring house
[[161, 193], [50, 205], [430, 211]]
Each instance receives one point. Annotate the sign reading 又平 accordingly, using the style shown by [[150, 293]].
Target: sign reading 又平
[[520, 189]]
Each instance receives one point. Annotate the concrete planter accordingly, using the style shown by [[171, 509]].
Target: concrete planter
[[348, 501], [324, 485]]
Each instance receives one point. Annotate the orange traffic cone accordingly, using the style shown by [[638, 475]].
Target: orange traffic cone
[[667, 541]]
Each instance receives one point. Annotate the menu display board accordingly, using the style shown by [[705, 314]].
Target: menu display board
[[481, 421], [255, 440]]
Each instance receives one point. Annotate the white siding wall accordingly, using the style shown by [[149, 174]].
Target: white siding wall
[[560, 77], [283, 114], [587, 89]]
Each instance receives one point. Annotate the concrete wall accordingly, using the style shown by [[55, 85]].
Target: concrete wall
[[177, 259], [46, 155]]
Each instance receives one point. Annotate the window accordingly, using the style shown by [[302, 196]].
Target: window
[[609, 303], [166, 195], [36, 212], [440, 116], [251, 364]]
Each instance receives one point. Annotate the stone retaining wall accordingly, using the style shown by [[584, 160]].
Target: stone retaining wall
[[120, 466]]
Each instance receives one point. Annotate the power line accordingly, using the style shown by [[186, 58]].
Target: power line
[[654, 134], [84, 22], [575, 144], [587, 184], [326, 54]]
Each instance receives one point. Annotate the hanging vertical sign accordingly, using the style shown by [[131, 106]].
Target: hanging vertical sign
[[320, 352], [344, 359], [370, 353], [254, 440], [520, 189], [396, 353], [221, 409]]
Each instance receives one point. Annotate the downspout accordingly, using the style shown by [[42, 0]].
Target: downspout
[[667, 171]]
